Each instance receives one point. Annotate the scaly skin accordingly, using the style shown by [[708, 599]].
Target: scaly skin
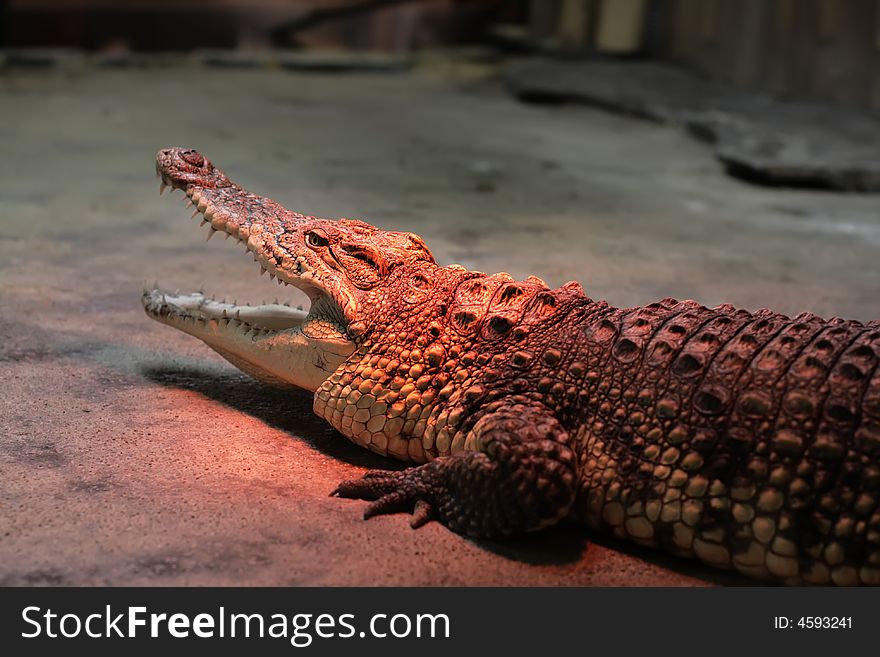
[[747, 440]]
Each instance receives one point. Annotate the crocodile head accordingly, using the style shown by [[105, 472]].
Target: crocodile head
[[337, 263]]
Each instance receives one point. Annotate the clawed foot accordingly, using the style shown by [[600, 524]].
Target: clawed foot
[[392, 492], [523, 478]]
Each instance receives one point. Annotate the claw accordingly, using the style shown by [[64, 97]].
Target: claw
[[391, 503], [390, 492], [368, 487], [422, 513]]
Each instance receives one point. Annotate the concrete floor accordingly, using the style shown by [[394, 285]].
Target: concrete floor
[[131, 454]]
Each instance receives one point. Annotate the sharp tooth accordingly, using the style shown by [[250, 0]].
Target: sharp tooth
[[195, 212], [189, 203], [202, 222], [271, 277], [262, 272], [162, 186], [211, 232], [226, 236]]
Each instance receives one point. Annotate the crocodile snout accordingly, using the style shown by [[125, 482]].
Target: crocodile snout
[[180, 167]]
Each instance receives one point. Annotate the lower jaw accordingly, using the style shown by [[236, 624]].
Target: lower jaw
[[199, 307], [273, 343]]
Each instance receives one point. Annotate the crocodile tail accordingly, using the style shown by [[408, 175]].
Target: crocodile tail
[[747, 440]]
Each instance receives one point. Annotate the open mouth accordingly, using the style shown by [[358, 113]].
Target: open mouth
[[257, 338], [197, 307]]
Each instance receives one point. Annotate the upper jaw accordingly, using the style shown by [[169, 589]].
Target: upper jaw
[[261, 240]]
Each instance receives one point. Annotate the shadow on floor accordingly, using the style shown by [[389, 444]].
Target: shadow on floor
[[557, 546], [565, 544], [287, 410]]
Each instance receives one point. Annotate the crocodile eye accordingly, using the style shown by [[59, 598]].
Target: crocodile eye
[[314, 239]]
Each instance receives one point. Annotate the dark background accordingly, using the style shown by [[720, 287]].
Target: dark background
[[801, 49]]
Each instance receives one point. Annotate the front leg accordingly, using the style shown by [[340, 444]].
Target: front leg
[[522, 477]]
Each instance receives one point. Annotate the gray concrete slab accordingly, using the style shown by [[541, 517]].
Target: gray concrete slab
[[757, 137], [131, 454]]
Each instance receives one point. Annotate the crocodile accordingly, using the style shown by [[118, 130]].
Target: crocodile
[[747, 440]]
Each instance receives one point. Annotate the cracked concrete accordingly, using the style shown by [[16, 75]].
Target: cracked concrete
[[132, 454]]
